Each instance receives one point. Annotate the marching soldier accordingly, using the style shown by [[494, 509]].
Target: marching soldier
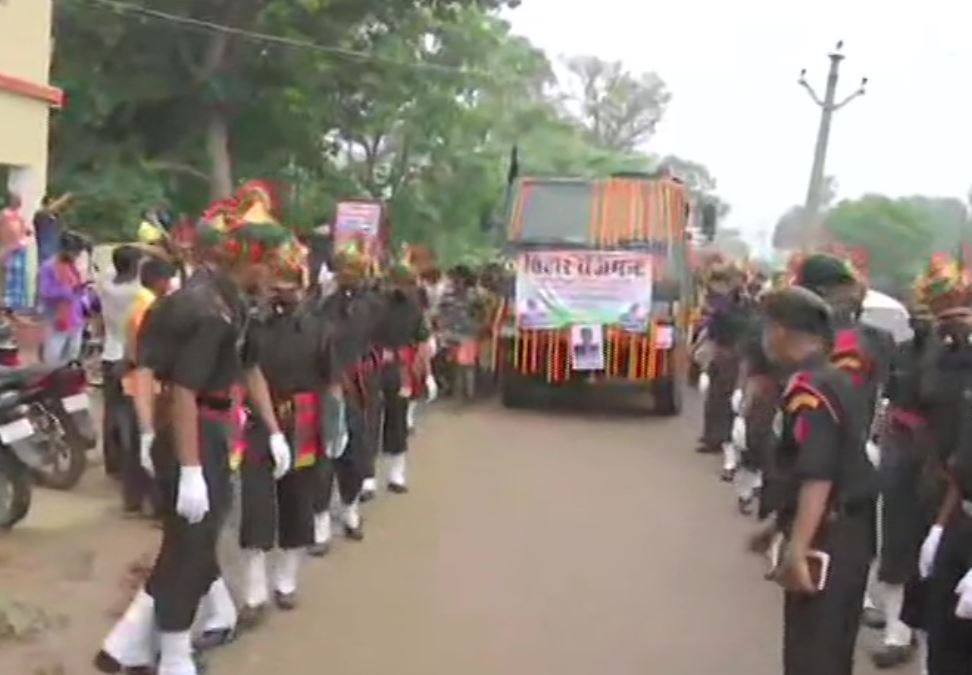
[[762, 384], [945, 557], [402, 332], [297, 358], [197, 343], [821, 489], [724, 328], [906, 508], [347, 307]]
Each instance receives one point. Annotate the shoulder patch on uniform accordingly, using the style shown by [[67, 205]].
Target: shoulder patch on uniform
[[849, 362], [803, 400]]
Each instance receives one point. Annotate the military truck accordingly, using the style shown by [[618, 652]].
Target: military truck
[[603, 291]]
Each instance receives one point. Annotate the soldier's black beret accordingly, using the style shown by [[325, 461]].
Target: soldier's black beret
[[821, 270], [799, 309]]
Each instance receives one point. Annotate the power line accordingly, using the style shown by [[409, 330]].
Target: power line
[[131, 9]]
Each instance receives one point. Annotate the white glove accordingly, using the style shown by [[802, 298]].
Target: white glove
[[929, 548], [280, 449], [963, 609], [145, 442], [873, 453], [704, 383], [335, 449], [192, 502], [737, 399], [431, 388], [739, 433]]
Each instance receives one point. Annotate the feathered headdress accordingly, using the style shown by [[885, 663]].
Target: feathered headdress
[[245, 229], [944, 285]]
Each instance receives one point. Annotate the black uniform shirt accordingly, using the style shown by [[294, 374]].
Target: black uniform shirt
[[199, 336], [351, 315], [946, 392], [728, 321], [822, 427], [403, 322], [296, 349]]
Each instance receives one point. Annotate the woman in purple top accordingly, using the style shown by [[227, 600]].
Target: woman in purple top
[[63, 297]]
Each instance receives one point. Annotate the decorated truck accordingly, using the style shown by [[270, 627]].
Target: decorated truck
[[602, 292]]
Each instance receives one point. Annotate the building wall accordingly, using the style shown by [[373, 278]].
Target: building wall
[[25, 100], [25, 50]]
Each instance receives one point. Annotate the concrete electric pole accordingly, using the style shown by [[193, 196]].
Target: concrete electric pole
[[811, 231]]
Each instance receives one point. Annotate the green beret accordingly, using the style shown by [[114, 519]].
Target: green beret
[[799, 309], [821, 270]]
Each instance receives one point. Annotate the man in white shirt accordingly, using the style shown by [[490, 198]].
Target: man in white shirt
[[117, 295]]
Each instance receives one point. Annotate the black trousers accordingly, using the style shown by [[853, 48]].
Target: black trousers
[[137, 485], [273, 512], [723, 376], [373, 421], [186, 565], [348, 470], [903, 517], [394, 429], [950, 638], [112, 433], [820, 631], [759, 433]]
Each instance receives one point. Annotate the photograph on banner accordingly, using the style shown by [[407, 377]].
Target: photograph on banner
[[587, 346], [556, 289]]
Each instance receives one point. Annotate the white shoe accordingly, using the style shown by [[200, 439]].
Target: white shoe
[[396, 473], [133, 641], [256, 590], [175, 654], [369, 486], [217, 611], [322, 535], [286, 571]]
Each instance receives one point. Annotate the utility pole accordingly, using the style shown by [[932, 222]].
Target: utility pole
[[811, 230]]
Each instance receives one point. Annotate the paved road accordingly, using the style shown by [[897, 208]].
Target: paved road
[[537, 543], [532, 542]]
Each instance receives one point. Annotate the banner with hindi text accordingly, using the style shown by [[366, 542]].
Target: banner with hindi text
[[555, 289]]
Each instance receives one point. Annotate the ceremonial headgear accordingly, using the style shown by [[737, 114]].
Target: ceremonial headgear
[[351, 267], [819, 271], [244, 229], [944, 285], [799, 309]]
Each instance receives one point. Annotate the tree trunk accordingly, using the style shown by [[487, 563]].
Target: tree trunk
[[220, 161]]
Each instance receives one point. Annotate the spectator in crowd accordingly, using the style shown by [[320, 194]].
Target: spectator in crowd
[[15, 239], [62, 298]]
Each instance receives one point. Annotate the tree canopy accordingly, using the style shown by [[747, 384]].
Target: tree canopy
[[414, 102]]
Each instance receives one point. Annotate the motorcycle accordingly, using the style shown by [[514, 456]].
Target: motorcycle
[[59, 410], [21, 450]]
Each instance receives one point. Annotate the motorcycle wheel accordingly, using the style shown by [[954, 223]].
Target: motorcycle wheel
[[67, 465], [15, 492]]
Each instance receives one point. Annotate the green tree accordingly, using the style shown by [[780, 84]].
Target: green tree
[[897, 239], [620, 109]]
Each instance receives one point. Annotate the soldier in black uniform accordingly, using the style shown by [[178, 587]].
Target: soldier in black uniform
[[197, 343], [401, 332], [762, 384], [348, 310], [946, 390], [725, 327], [297, 355], [820, 488], [865, 352], [908, 503]]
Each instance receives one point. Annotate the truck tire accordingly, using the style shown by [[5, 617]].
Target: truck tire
[[668, 397]]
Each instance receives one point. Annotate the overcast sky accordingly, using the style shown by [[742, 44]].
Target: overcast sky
[[732, 67]]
